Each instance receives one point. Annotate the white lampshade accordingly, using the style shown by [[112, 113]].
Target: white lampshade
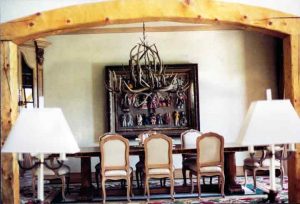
[[270, 122], [41, 131]]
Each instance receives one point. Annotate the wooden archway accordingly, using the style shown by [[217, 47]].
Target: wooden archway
[[129, 11], [77, 17]]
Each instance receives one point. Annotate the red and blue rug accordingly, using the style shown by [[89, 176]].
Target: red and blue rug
[[251, 196]]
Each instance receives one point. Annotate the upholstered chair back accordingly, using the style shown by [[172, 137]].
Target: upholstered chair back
[[144, 135], [188, 138], [114, 152], [107, 134], [210, 149], [158, 151]]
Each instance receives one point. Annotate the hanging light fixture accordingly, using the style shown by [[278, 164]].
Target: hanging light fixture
[[146, 76]]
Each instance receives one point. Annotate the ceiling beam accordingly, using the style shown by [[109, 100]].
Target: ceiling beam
[[78, 17]]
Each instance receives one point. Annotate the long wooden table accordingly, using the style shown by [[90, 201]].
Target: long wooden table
[[87, 189]]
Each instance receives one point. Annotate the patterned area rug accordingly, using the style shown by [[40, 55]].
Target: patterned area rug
[[251, 196]]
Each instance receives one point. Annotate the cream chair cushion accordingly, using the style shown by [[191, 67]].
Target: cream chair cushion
[[117, 172], [267, 162], [209, 150], [190, 138], [208, 169], [159, 171], [48, 172], [114, 153], [252, 162], [158, 151]]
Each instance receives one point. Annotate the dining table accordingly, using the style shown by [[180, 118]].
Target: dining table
[[86, 153]]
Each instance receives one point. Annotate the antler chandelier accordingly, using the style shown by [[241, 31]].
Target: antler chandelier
[[146, 76]]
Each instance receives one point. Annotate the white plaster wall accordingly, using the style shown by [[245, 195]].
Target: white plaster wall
[[235, 68]]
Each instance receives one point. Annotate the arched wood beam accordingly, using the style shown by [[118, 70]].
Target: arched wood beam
[[120, 11]]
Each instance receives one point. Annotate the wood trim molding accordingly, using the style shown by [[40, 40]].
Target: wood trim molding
[[83, 16]]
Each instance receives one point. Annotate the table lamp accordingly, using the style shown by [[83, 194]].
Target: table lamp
[[270, 122], [41, 131]]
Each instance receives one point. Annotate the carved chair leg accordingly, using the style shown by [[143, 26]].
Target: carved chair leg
[[148, 189], [198, 185], [184, 175], [33, 186], [131, 184], [63, 187], [123, 184], [142, 178], [137, 178], [222, 178], [192, 183], [103, 191], [68, 178], [145, 187], [172, 187], [281, 177], [254, 179], [128, 188], [97, 173], [245, 175]]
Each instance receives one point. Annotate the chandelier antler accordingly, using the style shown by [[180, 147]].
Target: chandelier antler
[[146, 75], [147, 72]]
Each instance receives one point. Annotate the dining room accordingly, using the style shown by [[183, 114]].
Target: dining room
[[212, 74]]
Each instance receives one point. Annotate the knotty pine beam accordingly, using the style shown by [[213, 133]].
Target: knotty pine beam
[[9, 111], [291, 49], [88, 15]]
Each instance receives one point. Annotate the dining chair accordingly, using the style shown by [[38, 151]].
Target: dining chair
[[158, 160], [115, 162], [188, 141], [261, 160], [57, 171], [98, 166], [210, 160], [140, 165]]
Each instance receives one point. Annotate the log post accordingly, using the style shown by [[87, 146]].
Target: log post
[[9, 111], [291, 49]]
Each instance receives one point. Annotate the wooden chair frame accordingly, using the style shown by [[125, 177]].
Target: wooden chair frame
[[98, 166], [168, 166], [126, 167], [208, 164], [140, 165], [187, 156], [279, 154], [65, 178]]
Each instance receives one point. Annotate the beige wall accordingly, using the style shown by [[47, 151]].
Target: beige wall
[[235, 68]]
